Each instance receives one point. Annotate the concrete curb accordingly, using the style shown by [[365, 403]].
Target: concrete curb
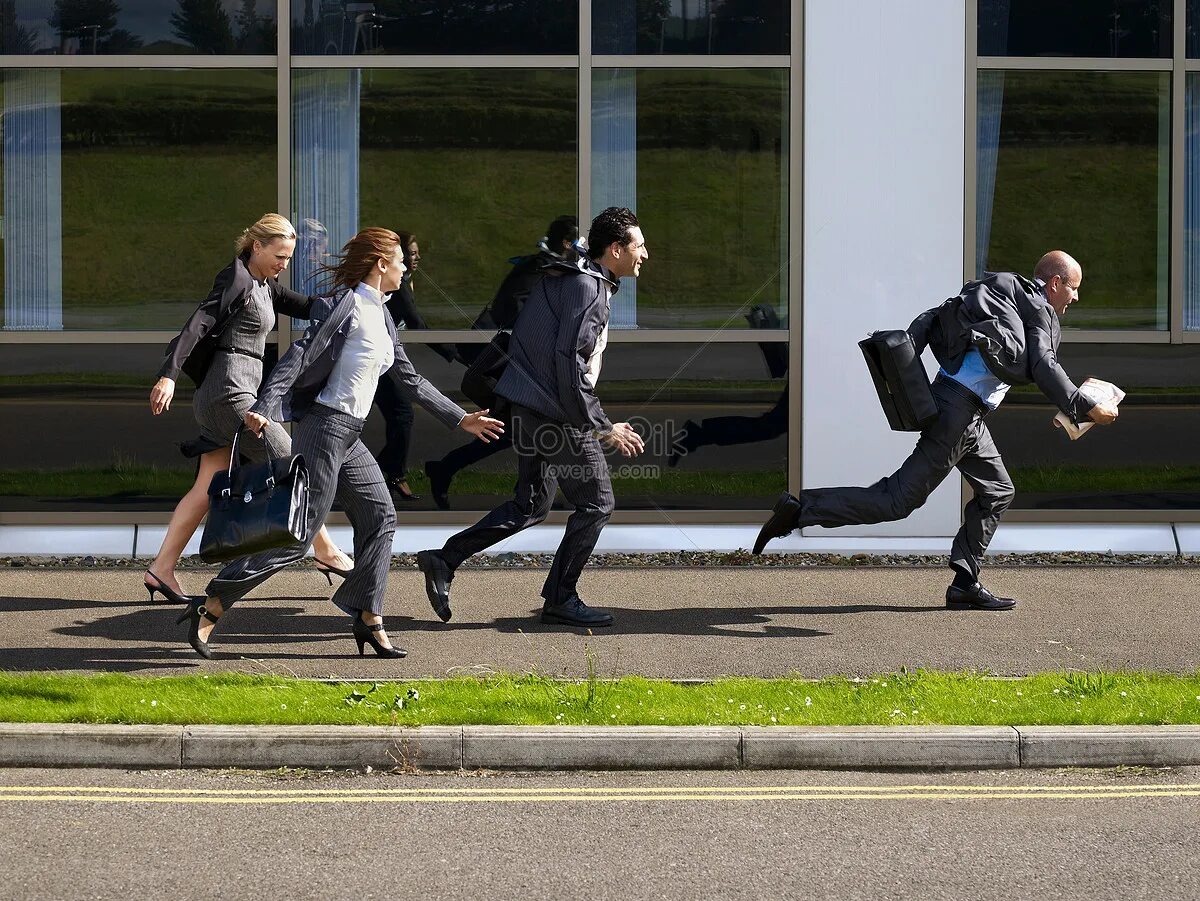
[[598, 748]]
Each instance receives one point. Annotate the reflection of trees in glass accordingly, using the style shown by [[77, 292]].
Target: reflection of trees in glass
[[13, 38], [436, 26], [203, 24], [92, 22], [254, 32]]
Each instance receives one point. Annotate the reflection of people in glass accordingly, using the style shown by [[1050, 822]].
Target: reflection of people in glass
[[221, 347], [325, 383], [559, 245], [724, 431], [998, 331], [396, 409], [312, 244]]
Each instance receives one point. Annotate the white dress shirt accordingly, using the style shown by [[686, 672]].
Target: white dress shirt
[[367, 354]]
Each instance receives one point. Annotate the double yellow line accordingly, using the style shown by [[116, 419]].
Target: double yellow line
[[532, 795]]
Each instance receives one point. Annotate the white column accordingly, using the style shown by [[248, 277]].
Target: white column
[[883, 224]]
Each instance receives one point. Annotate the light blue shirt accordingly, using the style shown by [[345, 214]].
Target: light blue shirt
[[979, 380]]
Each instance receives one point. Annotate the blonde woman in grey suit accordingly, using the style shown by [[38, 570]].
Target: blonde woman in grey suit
[[221, 349]]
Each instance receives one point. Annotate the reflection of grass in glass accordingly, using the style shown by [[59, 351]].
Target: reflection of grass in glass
[[1101, 205], [1091, 479], [123, 479], [148, 227], [118, 479]]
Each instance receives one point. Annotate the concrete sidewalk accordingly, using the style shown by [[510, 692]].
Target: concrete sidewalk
[[674, 623]]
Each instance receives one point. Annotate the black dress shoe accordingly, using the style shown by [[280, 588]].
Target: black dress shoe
[[574, 612], [438, 576], [784, 518], [977, 597]]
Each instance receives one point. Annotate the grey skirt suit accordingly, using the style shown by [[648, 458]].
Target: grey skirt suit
[[222, 348]]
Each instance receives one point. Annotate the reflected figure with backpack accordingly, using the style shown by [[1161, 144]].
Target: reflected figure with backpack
[[485, 362], [724, 431]]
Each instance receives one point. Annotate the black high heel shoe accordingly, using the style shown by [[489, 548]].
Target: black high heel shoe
[[364, 635], [167, 591], [195, 611], [326, 568]]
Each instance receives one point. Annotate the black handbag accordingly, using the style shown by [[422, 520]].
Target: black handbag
[[479, 381], [900, 380], [255, 508]]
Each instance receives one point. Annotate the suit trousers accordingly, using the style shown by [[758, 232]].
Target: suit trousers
[[550, 455], [958, 438], [339, 468]]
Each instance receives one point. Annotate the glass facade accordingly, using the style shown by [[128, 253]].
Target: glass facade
[[124, 188], [691, 26], [1146, 461], [126, 179], [1079, 160], [1087, 155], [1117, 29], [107, 27]]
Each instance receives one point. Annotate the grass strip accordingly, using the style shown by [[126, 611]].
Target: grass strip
[[916, 698]]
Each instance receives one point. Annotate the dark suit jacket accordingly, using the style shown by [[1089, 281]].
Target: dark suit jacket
[[302, 372], [552, 340], [1008, 319], [191, 351], [403, 307]]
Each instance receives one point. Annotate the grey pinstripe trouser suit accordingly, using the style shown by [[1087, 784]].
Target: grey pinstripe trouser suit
[[340, 466]]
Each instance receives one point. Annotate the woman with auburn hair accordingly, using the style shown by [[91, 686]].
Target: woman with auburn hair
[[221, 348], [326, 383]]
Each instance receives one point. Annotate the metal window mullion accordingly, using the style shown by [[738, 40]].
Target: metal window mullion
[[583, 143], [1178, 163], [131, 61], [971, 66], [283, 138], [1116, 336], [1068, 64], [435, 62], [657, 61], [795, 170]]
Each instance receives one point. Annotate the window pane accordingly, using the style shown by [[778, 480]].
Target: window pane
[[97, 447], [721, 407], [474, 162], [124, 190], [1146, 460], [701, 157], [1095, 28], [137, 26], [687, 26], [1191, 206], [1079, 161], [434, 26]]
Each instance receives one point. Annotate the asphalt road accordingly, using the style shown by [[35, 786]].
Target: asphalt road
[[1094, 835], [677, 623]]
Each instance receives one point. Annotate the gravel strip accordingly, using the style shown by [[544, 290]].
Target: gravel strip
[[688, 559]]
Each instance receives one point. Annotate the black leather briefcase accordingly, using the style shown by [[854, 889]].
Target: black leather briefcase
[[900, 380], [255, 508]]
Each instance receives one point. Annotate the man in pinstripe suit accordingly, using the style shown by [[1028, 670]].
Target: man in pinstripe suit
[[558, 425]]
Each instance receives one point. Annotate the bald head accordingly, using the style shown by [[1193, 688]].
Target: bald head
[[1062, 276]]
